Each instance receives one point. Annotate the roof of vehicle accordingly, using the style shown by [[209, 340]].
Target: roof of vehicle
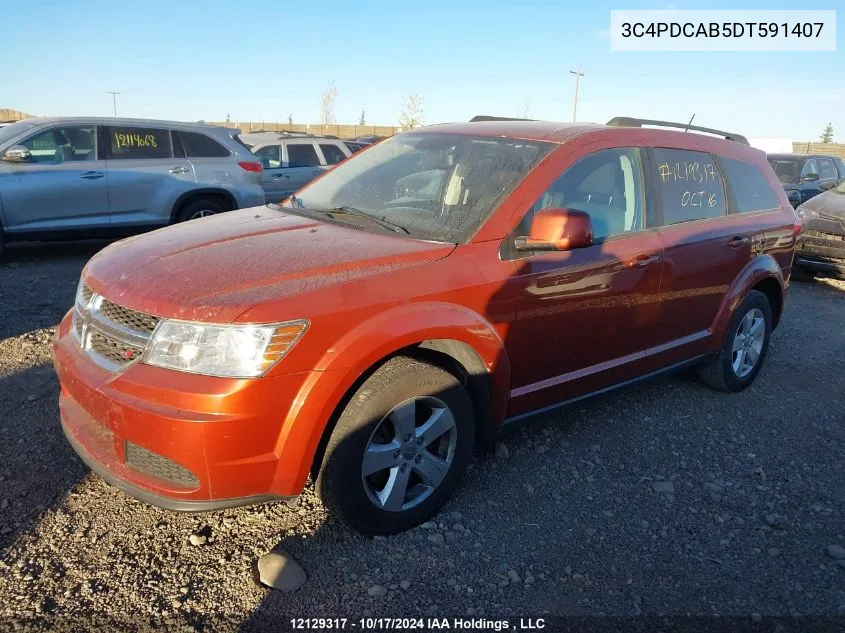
[[796, 156], [128, 121]]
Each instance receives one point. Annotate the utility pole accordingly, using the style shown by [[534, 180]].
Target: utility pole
[[113, 100], [578, 74]]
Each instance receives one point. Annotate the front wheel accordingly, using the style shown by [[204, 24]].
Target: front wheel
[[744, 348], [399, 448]]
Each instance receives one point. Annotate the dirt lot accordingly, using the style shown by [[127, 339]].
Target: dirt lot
[[664, 499]]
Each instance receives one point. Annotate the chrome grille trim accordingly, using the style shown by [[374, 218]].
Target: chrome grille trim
[[112, 336]]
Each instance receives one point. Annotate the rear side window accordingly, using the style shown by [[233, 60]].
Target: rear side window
[[688, 185], [302, 155], [269, 156], [199, 145], [139, 142], [332, 153], [827, 169], [750, 191]]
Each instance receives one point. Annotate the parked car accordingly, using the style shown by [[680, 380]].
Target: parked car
[[806, 175], [368, 140], [291, 162], [821, 247], [370, 339], [354, 146], [87, 177]]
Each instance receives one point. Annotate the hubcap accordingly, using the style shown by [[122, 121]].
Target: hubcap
[[202, 213], [409, 453], [748, 343]]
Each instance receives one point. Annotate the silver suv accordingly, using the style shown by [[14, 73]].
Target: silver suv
[[292, 160], [86, 177]]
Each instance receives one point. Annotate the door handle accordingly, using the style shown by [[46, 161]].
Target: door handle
[[641, 261], [179, 170], [92, 175], [739, 240], [277, 176]]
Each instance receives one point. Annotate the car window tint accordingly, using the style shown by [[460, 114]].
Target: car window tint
[[688, 185], [302, 155], [63, 144], [748, 185], [607, 185], [332, 153], [269, 156], [139, 142], [199, 145], [810, 167], [827, 169]]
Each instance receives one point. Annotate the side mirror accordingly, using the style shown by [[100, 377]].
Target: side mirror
[[17, 154], [794, 197], [827, 185], [557, 230], [810, 178]]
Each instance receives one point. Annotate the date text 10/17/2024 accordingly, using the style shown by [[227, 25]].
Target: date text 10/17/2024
[[418, 624]]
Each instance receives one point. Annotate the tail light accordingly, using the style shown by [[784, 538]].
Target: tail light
[[251, 166], [797, 226]]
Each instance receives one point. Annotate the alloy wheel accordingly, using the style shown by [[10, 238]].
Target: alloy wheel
[[409, 453], [748, 343]]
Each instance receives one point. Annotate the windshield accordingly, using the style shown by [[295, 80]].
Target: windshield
[[786, 169], [8, 132], [435, 186]]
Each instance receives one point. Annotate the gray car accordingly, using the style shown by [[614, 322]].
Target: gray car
[[291, 161], [87, 177]]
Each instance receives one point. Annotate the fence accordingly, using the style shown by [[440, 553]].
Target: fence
[[342, 131], [8, 115], [805, 147]]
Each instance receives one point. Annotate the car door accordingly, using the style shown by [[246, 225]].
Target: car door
[[704, 248], [61, 186], [275, 178], [828, 176], [584, 317], [303, 162], [333, 152], [145, 178], [809, 179]]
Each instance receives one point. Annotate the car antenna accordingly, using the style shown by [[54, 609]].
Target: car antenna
[[686, 129]]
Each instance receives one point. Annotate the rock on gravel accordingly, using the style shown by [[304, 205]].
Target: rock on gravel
[[502, 451], [377, 591], [837, 551], [278, 570]]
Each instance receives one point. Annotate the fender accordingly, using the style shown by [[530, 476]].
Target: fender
[[759, 268], [362, 348]]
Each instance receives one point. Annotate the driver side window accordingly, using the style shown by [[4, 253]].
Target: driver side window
[[63, 144], [607, 185], [810, 167]]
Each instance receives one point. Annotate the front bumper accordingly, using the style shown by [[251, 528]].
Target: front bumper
[[821, 252], [176, 440]]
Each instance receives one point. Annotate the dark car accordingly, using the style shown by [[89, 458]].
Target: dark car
[[821, 247], [355, 146], [806, 175]]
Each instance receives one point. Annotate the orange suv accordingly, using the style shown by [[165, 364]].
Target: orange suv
[[412, 301]]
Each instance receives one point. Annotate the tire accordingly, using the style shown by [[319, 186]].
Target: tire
[[402, 392], [200, 207], [722, 372]]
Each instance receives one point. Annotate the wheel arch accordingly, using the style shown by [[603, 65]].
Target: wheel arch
[[456, 340], [186, 197]]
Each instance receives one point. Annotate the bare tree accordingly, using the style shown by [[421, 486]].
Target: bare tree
[[412, 112], [525, 111], [327, 102]]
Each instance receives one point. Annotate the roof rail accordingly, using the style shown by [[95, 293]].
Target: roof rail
[[624, 121], [484, 117]]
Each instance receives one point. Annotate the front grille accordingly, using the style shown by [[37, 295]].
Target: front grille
[[158, 466], [128, 317], [112, 335], [825, 236], [112, 349]]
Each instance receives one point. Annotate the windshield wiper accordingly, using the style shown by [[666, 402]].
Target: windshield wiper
[[383, 222]]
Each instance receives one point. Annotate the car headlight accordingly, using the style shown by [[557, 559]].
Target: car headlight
[[234, 351], [807, 214]]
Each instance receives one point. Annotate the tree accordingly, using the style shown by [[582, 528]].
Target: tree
[[363, 120], [327, 101], [827, 135], [412, 112], [525, 112]]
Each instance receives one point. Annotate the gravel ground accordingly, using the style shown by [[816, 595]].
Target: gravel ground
[[661, 500]]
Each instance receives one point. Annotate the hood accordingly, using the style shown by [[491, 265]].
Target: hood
[[830, 207], [215, 268]]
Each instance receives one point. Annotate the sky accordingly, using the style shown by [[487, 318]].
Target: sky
[[263, 61]]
